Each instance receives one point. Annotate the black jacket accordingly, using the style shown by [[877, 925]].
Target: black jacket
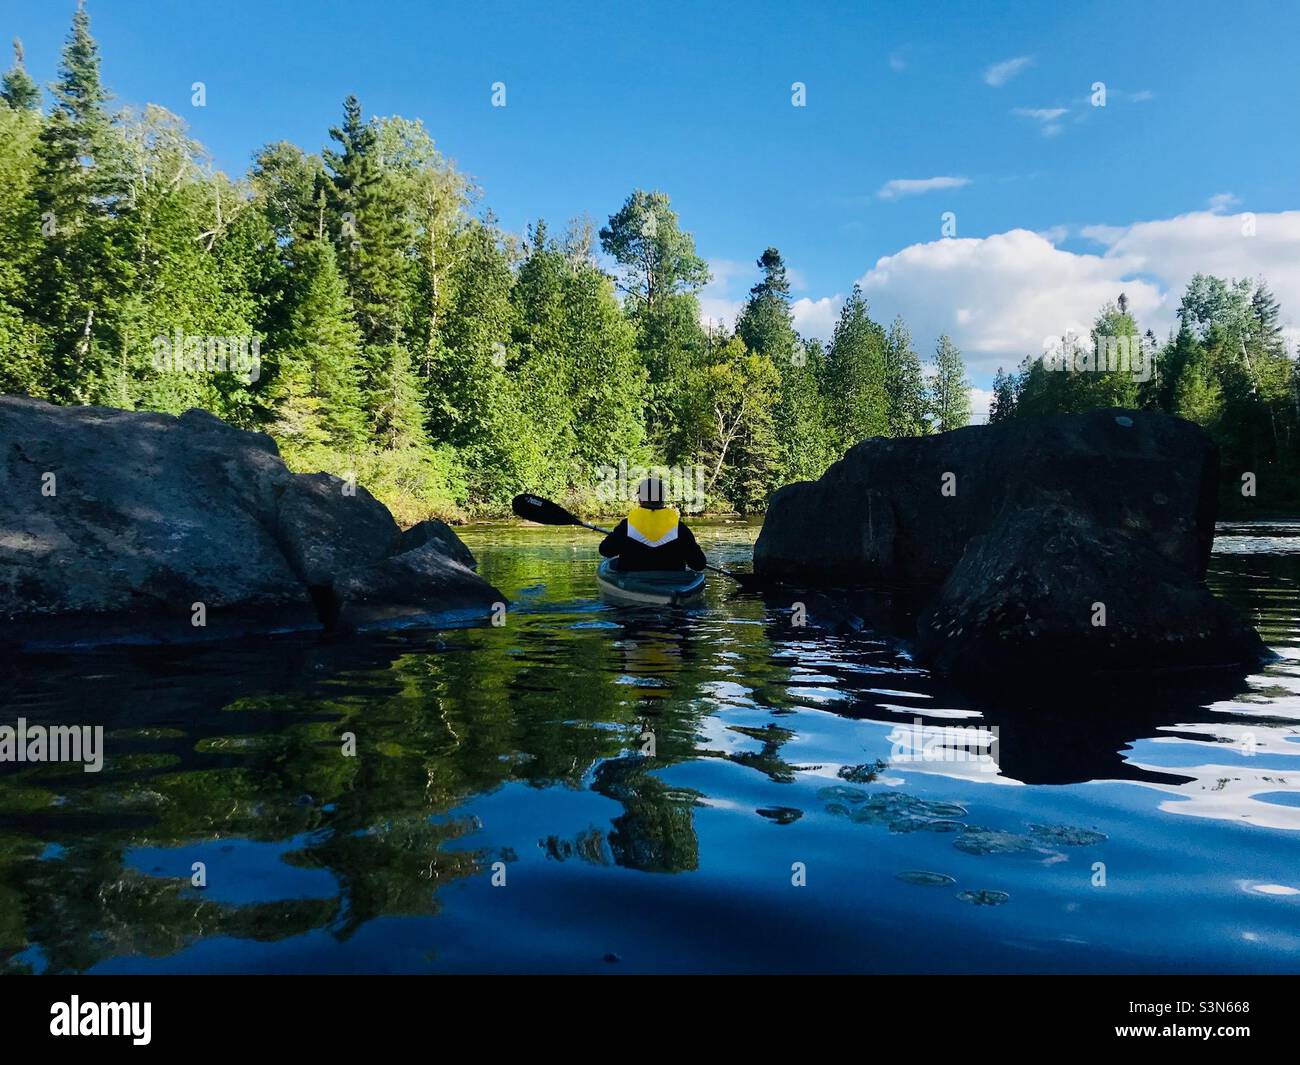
[[678, 553]]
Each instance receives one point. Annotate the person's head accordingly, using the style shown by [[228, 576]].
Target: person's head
[[650, 493]]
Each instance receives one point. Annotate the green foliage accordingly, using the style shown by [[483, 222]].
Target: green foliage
[[658, 259], [17, 89], [856, 375], [905, 393], [84, 265], [739, 391], [316, 391], [1225, 368], [1003, 405], [450, 365], [949, 389]]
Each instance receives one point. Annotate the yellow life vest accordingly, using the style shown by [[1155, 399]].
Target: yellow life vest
[[654, 528]]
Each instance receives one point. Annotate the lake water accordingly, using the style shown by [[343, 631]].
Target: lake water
[[815, 802]]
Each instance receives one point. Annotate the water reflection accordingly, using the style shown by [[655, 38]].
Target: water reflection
[[526, 749]]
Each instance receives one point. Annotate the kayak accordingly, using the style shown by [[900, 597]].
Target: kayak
[[649, 587]]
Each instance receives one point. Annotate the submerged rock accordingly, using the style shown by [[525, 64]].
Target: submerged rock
[[121, 525], [1076, 542]]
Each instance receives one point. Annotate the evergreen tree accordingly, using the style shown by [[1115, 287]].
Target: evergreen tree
[[23, 356], [17, 89], [904, 384], [801, 417], [1002, 407], [765, 323], [1265, 325], [372, 232], [859, 403], [83, 270], [316, 393], [765, 326], [949, 389]]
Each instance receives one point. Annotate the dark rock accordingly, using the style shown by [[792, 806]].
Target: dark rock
[[1080, 598], [1042, 519], [327, 525], [408, 586], [440, 533], [878, 517], [116, 524]]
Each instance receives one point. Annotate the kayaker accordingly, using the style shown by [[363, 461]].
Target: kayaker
[[653, 535]]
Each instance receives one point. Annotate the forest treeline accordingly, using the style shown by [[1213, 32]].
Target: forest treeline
[[1225, 366], [400, 334]]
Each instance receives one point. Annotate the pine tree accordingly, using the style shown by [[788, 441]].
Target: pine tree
[[904, 383], [83, 269], [317, 392], [1002, 407], [371, 230], [18, 90], [765, 326], [949, 389], [475, 403], [856, 375], [23, 356], [765, 323], [1266, 321], [393, 398]]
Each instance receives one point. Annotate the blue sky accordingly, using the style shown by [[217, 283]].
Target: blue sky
[[695, 99]]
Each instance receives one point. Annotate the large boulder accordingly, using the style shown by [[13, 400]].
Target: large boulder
[[327, 525], [1046, 589], [397, 589], [1004, 536], [901, 512], [125, 525]]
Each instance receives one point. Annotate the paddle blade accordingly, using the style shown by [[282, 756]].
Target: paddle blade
[[542, 511]]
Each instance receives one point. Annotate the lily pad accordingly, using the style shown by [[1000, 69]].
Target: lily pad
[[942, 824], [1067, 835], [983, 898], [923, 878], [977, 840], [839, 793]]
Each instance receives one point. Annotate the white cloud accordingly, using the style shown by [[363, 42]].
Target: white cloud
[[892, 190], [998, 297], [1043, 114], [1000, 73], [1173, 249], [1048, 118], [816, 318], [717, 303], [718, 311], [1221, 201]]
